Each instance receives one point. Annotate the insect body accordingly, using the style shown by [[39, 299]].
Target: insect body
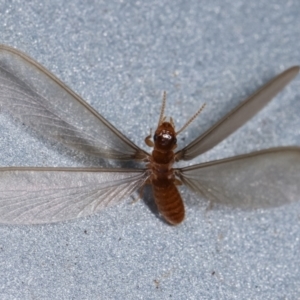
[[30, 195], [166, 195], [165, 192]]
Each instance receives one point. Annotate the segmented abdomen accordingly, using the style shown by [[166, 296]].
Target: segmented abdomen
[[168, 201]]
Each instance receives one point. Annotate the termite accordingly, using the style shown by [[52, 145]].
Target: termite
[[32, 195]]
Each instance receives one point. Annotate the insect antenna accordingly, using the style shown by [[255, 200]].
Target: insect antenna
[[162, 110], [191, 119]]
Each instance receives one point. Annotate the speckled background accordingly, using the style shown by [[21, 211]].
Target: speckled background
[[120, 56]]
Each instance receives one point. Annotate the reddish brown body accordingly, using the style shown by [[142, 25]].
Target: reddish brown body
[[166, 195]]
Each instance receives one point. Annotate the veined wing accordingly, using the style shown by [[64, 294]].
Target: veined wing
[[44, 195], [262, 179], [238, 116], [38, 99]]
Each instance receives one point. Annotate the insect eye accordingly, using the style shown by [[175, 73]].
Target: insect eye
[[155, 137]]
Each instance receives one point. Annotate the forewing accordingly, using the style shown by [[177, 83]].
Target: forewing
[[238, 116], [44, 195], [263, 179], [36, 98]]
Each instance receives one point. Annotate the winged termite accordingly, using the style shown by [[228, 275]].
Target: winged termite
[[35, 97]]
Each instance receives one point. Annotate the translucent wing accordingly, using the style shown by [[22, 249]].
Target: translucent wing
[[43, 195], [237, 117], [38, 99], [262, 179]]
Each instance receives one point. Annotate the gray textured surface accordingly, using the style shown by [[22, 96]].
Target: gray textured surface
[[120, 56]]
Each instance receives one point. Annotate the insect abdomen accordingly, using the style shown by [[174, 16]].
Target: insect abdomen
[[169, 202]]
